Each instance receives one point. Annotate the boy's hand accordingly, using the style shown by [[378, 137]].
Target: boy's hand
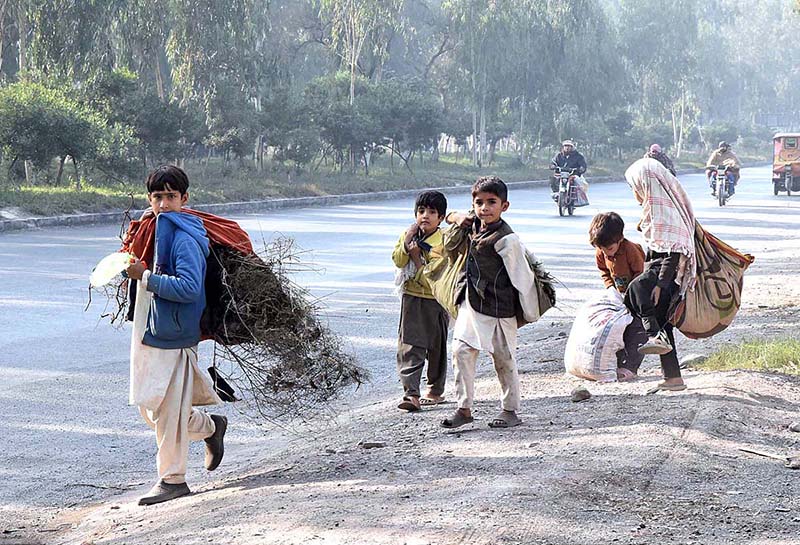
[[136, 269], [656, 295], [462, 220], [411, 232], [415, 253]]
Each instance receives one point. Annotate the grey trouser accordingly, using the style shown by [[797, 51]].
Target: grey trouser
[[411, 360]]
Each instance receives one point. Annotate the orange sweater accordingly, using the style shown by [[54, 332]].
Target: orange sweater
[[620, 269]]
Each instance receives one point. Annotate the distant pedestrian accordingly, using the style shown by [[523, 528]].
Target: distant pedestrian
[[655, 152], [166, 381], [496, 294], [668, 228], [423, 322]]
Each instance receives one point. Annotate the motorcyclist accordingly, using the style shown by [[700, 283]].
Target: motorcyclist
[[655, 152], [724, 157], [567, 159]]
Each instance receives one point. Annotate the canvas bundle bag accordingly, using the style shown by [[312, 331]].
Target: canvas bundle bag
[[712, 304], [443, 274]]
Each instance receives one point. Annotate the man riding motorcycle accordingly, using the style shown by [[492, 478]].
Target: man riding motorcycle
[[724, 157], [567, 159]]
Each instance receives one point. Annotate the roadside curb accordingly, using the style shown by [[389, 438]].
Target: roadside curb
[[70, 220]]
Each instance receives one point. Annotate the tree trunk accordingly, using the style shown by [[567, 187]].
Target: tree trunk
[[682, 122], [77, 174], [482, 143], [160, 88], [29, 175], [22, 26], [3, 6], [521, 128], [60, 169], [475, 136]]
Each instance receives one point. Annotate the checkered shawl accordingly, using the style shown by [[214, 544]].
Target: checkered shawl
[[667, 223]]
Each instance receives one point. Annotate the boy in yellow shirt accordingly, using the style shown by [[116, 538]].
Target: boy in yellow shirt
[[423, 322]]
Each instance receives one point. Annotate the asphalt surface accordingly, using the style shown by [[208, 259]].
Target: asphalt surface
[[69, 436]]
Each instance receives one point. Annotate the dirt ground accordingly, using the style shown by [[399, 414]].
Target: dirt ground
[[622, 467]]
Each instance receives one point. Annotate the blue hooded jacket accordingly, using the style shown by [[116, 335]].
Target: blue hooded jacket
[[178, 281]]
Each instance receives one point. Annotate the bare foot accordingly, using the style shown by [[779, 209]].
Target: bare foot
[[626, 375]]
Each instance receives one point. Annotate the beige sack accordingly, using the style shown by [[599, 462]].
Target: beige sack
[[713, 303]]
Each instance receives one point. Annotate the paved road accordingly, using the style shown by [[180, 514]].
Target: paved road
[[68, 435]]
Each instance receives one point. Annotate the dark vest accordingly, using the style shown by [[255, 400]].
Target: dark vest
[[485, 279]]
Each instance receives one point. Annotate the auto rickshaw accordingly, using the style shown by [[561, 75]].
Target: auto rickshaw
[[786, 163]]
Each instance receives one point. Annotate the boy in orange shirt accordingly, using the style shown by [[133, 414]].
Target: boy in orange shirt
[[620, 261]]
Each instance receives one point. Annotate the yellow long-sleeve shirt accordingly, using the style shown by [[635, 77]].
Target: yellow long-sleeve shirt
[[419, 286]]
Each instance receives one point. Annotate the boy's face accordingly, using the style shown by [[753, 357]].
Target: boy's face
[[167, 200], [612, 249], [488, 207], [428, 219]]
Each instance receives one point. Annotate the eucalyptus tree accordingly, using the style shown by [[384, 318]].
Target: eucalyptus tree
[[353, 23]]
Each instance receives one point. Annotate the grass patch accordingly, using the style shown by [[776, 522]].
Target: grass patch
[[219, 182], [781, 356], [53, 201]]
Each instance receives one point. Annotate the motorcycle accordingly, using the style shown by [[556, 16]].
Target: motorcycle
[[567, 190], [721, 183]]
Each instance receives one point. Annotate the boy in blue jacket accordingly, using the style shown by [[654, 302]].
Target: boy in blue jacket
[[166, 381]]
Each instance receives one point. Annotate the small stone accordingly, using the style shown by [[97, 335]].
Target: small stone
[[795, 427], [793, 462], [580, 394], [692, 360], [115, 507], [371, 444]]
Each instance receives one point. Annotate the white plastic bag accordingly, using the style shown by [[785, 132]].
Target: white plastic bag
[[596, 337], [581, 191]]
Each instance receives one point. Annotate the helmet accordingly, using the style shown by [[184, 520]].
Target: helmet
[[655, 148], [723, 144], [568, 143]]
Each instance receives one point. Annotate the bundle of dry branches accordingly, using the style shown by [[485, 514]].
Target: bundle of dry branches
[[285, 361], [270, 343]]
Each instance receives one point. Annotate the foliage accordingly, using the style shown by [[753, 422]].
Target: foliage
[[779, 356], [38, 123], [310, 83]]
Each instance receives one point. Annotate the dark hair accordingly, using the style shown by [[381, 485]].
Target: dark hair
[[431, 199], [490, 184], [606, 229], [167, 177]]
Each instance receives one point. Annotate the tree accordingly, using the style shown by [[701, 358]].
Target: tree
[[38, 124]]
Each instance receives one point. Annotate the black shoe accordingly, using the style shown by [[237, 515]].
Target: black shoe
[[162, 492], [215, 446]]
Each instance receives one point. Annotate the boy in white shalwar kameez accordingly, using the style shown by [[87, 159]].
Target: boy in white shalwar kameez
[[165, 379], [496, 295]]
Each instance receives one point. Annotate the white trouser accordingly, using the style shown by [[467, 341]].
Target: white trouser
[[176, 423], [465, 359]]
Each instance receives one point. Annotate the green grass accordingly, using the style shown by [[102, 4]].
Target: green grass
[[780, 356], [217, 182], [52, 201]]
